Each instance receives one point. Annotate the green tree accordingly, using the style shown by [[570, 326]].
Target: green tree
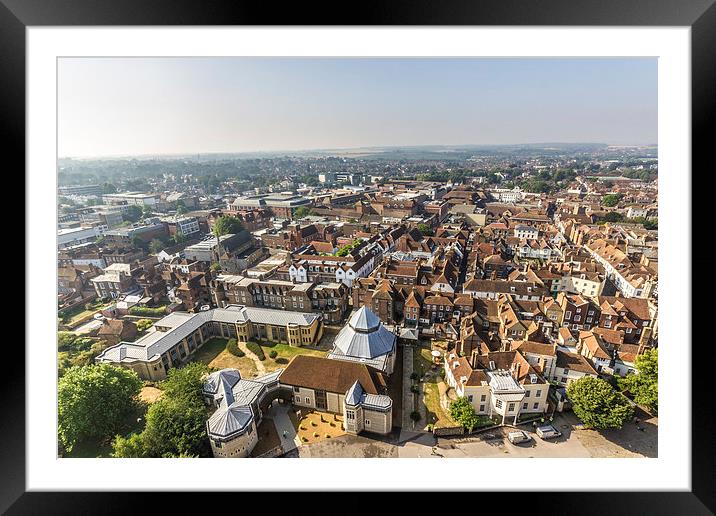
[[597, 404], [181, 207], [94, 402], [611, 199], [185, 382], [138, 243], [156, 245], [179, 237], [146, 211], [302, 211], [176, 425], [613, 216], [65, 340], [425, 229], [644, 384], [144, 324], [133, 213], [129, 447], [227, 225], [463, 412]]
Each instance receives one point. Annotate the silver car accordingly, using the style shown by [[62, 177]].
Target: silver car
[[518, 437]]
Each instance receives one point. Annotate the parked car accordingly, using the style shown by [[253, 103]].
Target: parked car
[[99, 316], [518, 437], [548, 432]]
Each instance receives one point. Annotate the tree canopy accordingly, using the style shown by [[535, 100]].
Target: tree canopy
[[644, 385], [597, 404], [302, 211], [94, 402], [463, 412], [133, 213], [611, 199], [425, 229], [176, 422], [156, 245], [227, 225]]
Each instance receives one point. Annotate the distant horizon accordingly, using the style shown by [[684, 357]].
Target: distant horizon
[[465, 146], [109, 107]]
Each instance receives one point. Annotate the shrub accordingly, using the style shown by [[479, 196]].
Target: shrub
[[144, 324], [414, 389], [282, 360], [147, 312], [273, 353], [415, 416], [232, 346], [414, 375], [256, 350]]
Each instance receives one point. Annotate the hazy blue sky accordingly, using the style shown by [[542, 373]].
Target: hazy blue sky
[[122, 106]]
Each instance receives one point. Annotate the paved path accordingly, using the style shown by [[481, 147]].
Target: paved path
[[259, 364], [408, 402], [279, 415]]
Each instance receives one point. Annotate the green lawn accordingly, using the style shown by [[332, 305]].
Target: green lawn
[[286, 353], [436, 415], [213, 353]]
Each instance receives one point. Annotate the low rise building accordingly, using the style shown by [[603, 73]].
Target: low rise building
[[173, 339]]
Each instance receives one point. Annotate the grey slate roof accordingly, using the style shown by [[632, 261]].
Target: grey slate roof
[[182, 324], [376, 401], [212, 382], [353, 396], [234, 414], [364, 337], [230, 420]]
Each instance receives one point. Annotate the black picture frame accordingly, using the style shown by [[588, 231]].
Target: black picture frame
[[700, 15]]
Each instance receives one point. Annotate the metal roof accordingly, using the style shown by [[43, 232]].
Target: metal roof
[[364, 337], [353, 396], [211, 384], [230, 420], [364, 319], [181, 324]]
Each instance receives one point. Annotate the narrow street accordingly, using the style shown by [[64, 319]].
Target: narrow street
[[408, 397]]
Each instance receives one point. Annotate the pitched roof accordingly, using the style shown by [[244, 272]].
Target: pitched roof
[[320, 373], [574, 361]]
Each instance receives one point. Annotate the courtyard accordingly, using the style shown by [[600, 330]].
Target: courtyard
[[314, 426], [215, 355]]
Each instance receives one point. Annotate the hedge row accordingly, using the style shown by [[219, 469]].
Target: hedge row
[[146, 311], [256, 350], [233, 347]]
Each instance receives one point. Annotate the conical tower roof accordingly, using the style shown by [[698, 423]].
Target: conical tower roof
[[364, 320]]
